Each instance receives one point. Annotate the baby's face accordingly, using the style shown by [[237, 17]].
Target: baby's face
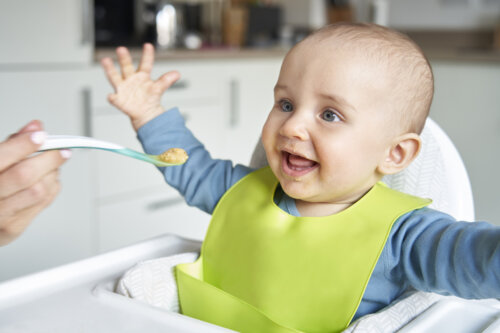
[[328, 129]]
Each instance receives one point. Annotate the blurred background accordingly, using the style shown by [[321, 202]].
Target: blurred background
[[229, 54]]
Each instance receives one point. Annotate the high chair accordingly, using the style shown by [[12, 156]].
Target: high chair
[[82, 297]]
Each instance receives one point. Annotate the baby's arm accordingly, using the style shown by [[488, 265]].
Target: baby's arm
[[441, 255], [201, 180], [136, 94]]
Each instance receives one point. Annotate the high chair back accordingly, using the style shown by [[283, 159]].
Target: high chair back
[[437, 173]]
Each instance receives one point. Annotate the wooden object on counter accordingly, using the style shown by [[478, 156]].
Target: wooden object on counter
[[340, 14], [496, 38], [234, 26], [240, 3]]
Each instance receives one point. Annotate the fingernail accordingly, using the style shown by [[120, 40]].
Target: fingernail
[[38, 137], [32, 125], [65, 153]]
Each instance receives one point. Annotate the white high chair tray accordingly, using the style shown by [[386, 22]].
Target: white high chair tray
[[79, 297], [457, 315]]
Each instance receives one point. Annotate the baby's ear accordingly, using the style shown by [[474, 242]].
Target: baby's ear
[[400, 154]]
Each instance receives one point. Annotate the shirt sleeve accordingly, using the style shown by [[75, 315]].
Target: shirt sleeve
[[202, 180], [433, 252]]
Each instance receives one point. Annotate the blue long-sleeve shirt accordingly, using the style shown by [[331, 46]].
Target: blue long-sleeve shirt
[[426, 250]]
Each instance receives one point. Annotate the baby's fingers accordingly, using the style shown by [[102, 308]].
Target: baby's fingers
[[147, 59], [111, 73], [113, 99], [167, 80], [125, 61]]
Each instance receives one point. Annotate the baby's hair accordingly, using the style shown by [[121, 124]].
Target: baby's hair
[[413, 81]]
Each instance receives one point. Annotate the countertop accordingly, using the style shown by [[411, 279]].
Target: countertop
[[457, 45], [202, 54], [452, 45]]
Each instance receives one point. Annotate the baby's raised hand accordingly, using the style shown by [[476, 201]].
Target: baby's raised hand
[[136, 94]]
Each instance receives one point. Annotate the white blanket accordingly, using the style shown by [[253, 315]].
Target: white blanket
[[153, 282]]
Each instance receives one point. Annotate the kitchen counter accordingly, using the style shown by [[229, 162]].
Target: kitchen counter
[[202, 54], [464, 54], [454, 45]]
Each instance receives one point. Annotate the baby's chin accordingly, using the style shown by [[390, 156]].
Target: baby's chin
[[296, 189]]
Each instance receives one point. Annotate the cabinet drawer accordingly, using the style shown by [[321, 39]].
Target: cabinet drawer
[[129, 221], [196, 86]]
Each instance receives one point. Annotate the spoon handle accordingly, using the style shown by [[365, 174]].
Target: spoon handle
[[72, 141]]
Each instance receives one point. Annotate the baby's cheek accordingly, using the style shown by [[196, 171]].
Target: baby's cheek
[[266, 137]]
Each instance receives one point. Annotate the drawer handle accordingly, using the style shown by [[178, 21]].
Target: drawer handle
[[86, 22], [86, 111], [234, 103], [163, 204], [181, 84]]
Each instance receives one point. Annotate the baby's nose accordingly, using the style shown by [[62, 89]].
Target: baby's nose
[[295, 127]]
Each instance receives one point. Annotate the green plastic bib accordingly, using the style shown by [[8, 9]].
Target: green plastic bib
[[263, 270]]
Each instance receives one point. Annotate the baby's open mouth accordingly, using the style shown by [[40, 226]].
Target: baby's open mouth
[[295, 165]]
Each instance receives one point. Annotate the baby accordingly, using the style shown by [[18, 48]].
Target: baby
[[315, 240]]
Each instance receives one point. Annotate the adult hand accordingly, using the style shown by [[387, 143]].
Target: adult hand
[[28, 184], [136, 94]]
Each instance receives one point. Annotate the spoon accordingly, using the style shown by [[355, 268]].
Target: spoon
[[173, 156]]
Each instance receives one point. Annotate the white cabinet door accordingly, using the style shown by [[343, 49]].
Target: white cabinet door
[[467, 106], [250, 85], [133, 200], [63, 232], [48, 31], [198, 100], [147, 215]]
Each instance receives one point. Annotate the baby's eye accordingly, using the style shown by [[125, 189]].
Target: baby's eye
[[286, 106], [330, 115]]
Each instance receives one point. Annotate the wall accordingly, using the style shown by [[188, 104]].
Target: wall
[[444, 14], [403, 14]]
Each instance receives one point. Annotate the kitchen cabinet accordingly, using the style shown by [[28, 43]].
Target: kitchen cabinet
[[225, 104], [145, 215], [46, 49], [63, 232], [46, 32], [249, 85], [132, 198], [467, 106], [108, 200]]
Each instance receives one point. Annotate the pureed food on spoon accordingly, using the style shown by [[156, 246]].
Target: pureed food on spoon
[[174, 156]]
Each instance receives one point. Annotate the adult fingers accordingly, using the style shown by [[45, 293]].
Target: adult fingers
[[167, 80], [14, 221], [125, 61], [40, 193], [18, 147], [30, 171], [147, 59], [14, 226], [32, 126], [112, 74]]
